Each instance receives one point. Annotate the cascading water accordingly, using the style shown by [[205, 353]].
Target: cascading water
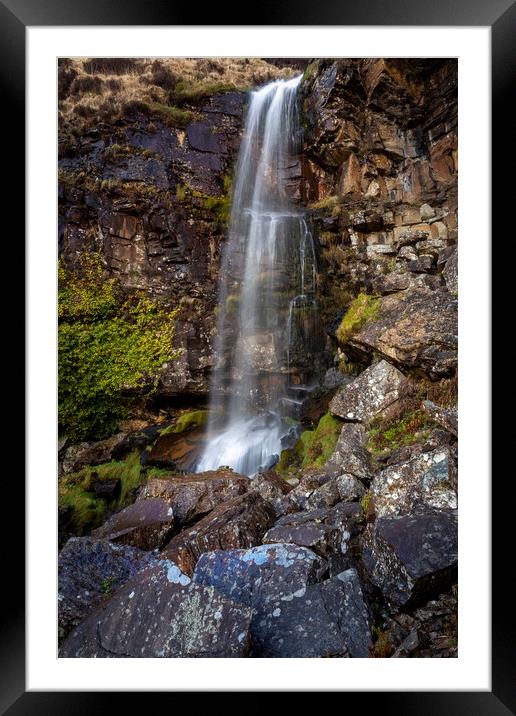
[[268, 325]]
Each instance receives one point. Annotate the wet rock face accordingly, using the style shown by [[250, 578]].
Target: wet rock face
[[146, 524], [192, 496], [240, 522], [161, 614], [89, 570], [373, 391], [411, 557]]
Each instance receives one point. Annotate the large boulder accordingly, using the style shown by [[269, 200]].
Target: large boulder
[[329, 619], [89, 570], [293, 615], [240, 522], [425, 481], [146, 524], [161, 614], [193, 496], [416, 329], [378, 387], [411, 558]]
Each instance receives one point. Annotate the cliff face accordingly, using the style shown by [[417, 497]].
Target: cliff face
[[380, 172], [149, 189]]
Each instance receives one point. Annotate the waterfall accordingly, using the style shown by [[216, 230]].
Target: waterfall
[[268, 327]]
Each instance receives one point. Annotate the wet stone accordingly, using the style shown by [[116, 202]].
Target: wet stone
[[146, 524]]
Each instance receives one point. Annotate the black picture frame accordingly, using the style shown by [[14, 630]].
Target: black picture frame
[[15, 16]]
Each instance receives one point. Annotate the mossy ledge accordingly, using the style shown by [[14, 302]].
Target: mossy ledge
[[362, 309]]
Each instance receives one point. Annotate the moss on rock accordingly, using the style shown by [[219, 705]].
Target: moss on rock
[[363, 308], [187, 421]]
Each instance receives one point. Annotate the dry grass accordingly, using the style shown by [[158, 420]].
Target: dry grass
[[104, 89]]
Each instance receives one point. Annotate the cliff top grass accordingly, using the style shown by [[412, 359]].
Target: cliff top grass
[[93, 90], [362, 309]]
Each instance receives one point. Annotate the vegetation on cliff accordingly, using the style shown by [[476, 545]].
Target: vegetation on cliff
[[111, 347]]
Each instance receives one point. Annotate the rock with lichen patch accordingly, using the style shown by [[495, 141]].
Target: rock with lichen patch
[[161, 614], [374, 390], [424, 482]]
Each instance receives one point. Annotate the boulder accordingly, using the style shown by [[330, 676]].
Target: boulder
[[293, 616], [240, 522], [323, 620], [269, 485], [193, 496], [89, 570], [378, 387], [446, 417], [391, 282], [161, 614], [425, 481], [343, 488], [416, 329], [92, 453], [146, 524], [350, 455], [411, 558], [321, 538], [450, 273], [258, 574]]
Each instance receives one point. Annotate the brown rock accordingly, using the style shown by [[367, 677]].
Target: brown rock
[[193, 496], [238, 523], [146, 524], [416, 329]]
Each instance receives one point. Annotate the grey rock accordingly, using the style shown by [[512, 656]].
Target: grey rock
[[375, 389], [446, 417], [410, 558], [450, 273], [425, 481], [322, 620], [350, 455]]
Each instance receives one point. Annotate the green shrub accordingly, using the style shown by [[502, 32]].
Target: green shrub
[[110, 347]]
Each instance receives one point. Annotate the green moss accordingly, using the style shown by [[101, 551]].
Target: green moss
[[187, 421], [363, 308], [311, 71], [76, 491], [365, 501], [316, 446], [170, 115], [110, 347]]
